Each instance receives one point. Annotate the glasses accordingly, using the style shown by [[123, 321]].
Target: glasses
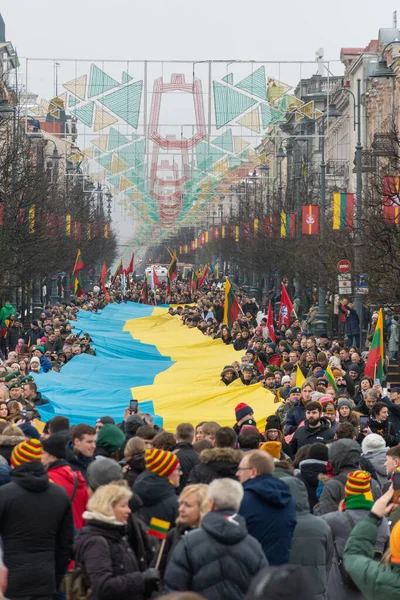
[[244, 468]]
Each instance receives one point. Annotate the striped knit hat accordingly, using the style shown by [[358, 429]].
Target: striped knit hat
[[161, 462], [358, 490], [28, 451]]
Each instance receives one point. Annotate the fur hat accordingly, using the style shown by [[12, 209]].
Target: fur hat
[[373, 441]]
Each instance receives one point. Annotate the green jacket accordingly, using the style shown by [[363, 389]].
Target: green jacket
[[5, 312], [375, 580]]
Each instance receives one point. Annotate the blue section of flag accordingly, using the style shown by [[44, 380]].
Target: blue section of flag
[[89, 387]]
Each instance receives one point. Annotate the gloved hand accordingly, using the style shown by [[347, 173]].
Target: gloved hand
[[151, 578]]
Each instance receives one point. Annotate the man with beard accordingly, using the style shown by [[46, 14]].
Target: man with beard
[[314, 430]]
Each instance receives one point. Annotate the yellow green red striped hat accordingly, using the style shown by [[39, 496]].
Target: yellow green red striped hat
[[27, 451], [161, 462], [358, 482]]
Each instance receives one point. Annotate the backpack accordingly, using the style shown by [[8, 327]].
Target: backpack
[[74, 586], [347, 580]]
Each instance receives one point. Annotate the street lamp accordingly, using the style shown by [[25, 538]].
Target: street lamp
[[320, 325], [280, 157]]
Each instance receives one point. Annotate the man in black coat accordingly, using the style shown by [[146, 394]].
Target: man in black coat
[[218, 560], [219, 462], [218, 311], [36, 527], [314, 430], [184, 450]]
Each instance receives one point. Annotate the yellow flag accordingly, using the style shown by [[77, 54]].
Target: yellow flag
[[300, 379], [32, 218]]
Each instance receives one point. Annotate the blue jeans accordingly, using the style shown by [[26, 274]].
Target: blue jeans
[[353, 340]]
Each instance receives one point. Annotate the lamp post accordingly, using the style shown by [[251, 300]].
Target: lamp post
[[280, 156], [321, 323]]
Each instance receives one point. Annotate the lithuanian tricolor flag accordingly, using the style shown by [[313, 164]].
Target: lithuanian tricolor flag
[[376, 354], [78, 290], [231, 305], [79, 264], [343, 211], [288, 225], [158, 528], [173, 268], [330, 377]]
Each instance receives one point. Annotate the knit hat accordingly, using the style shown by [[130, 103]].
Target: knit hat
[[395, 544], [41, 349], [242, 410], [373, 441], [110, 437], [272, 346], [329, 409], [337, 372], [273, 448], [55, 445], [132, 424], [319, 373], [285, 379], [35, 359], [321, 356], [106, 420], [25, 452], [325, 399], [358, 491], [316, 397], [319, 451], [273, 422], [161, 462], [103, 471], [344, 402]]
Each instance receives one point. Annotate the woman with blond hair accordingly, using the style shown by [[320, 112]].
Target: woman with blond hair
[[193, 505], [108, 562]]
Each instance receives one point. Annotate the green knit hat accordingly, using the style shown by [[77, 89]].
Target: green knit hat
[[110, 437]]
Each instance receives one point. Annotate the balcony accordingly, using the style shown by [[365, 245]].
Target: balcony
[[337, 168]]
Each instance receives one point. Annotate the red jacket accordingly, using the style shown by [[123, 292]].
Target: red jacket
[[61, 474]]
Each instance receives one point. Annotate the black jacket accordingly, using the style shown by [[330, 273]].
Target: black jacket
[[216, 463], [385, 429], [241, 343], [32, 335], [218, 561], [76, 460], [36, 528], [39, 400], [188, 459], [394, 414], [109, 563], [218, 312], [310, 470], [158, 496], [136, 465], [308, 435], [14, 333]]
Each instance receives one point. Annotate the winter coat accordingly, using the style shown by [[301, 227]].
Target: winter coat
[[219, 313], [394, 337], [309, 471], [36, 530], [174, 536], [5, 312], [270, 513], [312, 546], [188, 459], [375, 580], [158, 496], [385, 429], [352, 320], [344, 456], [378, 458], [218, 561], [240, 343], [109, 563], [39, 400], [310, 435], [61, 474], [296, 415], [341, 528], [76, 460], [32, 336], [216, 463], [13, 335], [8, 443], [394, 414]]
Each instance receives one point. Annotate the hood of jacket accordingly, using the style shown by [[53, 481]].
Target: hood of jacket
[[32, 477], [98, 527], [299, 492], [153, 488], [65, 474], [377, 458], [344, 454], [310, 468], [269, 489], [229, 455], [76, 458], [11, 440], [225, 526]]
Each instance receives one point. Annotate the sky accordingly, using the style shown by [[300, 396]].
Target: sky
[[166, 30]]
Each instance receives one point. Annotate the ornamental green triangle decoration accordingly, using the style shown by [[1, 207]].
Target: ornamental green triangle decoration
[[116, 139], [207, 155], [125, 102], [224, 141], [255, 83], [234, 162], [228, 78], [84, 113], [126, 77], [114, 180], [72, 101], [133, 154], [229, 104], [105, 161], [270, 115], [100, 82]]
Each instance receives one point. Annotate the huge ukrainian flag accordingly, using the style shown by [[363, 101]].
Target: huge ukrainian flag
[[144, 353]]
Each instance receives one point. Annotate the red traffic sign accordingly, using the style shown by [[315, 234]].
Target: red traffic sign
[[344, 266]]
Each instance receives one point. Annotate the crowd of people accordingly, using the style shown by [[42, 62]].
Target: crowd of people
[[304, 507]]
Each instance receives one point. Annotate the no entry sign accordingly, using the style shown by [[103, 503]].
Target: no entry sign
[[344, 266]]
